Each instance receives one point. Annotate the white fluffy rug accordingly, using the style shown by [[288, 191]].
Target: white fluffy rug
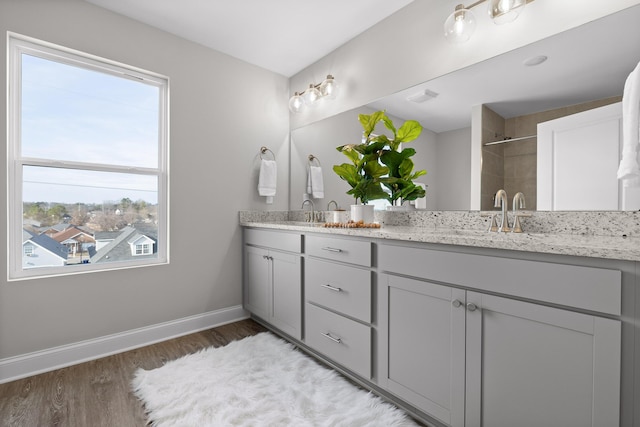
[[257, 381]]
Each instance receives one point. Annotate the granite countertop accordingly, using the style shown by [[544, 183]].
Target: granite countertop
[[621, 247]]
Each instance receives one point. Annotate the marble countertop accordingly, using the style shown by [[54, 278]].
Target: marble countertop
[[596, 246]]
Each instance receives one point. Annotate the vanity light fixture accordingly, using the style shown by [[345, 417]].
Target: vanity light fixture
[[460, 25], [313, 94]]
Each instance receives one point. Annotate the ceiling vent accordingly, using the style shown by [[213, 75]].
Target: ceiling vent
[[423, 96]]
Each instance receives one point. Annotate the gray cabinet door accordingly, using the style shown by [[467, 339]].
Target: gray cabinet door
[[425, 330], [257, 298], [531, 365], [273, 288], [286, 286]]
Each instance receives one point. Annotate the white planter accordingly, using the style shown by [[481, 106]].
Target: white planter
[[362, 213], [338, 216]]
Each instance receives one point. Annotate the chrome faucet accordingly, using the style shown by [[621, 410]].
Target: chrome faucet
[[518, 203], [329, 204], [313, 211], [501, 202]]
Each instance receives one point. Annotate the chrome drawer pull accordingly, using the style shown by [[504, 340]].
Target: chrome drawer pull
[[330, 249], [328, 336], [332, 288]]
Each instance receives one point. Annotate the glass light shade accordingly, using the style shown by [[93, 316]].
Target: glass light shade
[[296, 103], [329, 87], [505, 11], [460, 25], [311, 96]]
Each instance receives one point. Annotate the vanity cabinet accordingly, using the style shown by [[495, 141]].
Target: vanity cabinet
[[473, 359], [273, 279], [463, 337], [338, 283]]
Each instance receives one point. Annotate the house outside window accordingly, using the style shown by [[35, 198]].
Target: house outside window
[[28, 250], [88, 150]]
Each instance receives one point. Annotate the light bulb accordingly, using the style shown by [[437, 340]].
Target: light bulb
[[296, 103], [505, 11], [460, 25], [311, 96], [329, 87]]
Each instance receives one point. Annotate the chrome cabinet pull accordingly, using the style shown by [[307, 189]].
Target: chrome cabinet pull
[[330, 249], [456, 303], [331, 288], [472, 307], [334, 339]]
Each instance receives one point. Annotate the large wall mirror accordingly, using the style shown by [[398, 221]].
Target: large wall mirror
[[503, 97]]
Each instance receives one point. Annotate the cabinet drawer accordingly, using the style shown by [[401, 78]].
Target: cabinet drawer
[[339, 287], [589, 288], [291, 242], [342, 340], [345, 250]]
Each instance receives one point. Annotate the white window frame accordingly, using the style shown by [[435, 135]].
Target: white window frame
[[16, 46]]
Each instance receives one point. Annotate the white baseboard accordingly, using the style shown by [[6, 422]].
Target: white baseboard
[[26, 365]]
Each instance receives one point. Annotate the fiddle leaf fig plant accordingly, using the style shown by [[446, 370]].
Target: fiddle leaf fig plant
[[362, 174], [379, 161]]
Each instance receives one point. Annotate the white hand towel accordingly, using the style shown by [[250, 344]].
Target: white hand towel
[[629, 171], [268, 178], [315, 183]]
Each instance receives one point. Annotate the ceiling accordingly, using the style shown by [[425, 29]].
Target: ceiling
[[284, 36]]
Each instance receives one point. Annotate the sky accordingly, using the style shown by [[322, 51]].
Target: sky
[[74, 114]]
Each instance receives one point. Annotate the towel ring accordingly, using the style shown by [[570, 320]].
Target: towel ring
[[312, 158], [263, 150]]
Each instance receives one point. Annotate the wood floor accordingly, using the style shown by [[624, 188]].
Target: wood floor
[[98, 393]]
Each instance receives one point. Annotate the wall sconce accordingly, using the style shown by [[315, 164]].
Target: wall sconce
[[313, 94], [461, 24]]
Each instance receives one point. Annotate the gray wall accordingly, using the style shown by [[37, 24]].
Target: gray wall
[[454, 148], [408, 48], [214, 142]]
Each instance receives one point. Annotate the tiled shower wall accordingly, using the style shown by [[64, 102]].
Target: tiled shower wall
[[513, 166]]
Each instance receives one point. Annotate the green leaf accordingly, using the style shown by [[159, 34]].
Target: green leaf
[[409, 131], [369, 121], [388, 123], [374, 147], [418, 174], [375, 170], [405, 168], [349, 151], [392, 160], [348, 173]]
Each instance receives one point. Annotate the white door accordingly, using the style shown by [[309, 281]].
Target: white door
[[578, 158]]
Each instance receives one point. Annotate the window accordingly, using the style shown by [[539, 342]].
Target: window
[[143, 249], [88, 152], [28, 250]]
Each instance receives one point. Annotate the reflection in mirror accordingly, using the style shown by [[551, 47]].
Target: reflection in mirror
[[507, 96], [321, 139]]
